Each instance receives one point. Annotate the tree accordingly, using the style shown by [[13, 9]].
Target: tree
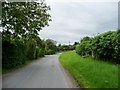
[[76, 43], [23, 19], [59, 45], [51, 47], [21, 22], [85, 38]]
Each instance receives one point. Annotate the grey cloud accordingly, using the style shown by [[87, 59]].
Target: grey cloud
[[72, 21]]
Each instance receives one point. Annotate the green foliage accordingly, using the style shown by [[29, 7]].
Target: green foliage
[[21, 22], [85, 39], [90, 72], [31, 50], [66, 47], [41, 52], [49, 52], [51, 47], [24, 18], [105, 46], [13, 55], [17, 53], [83, 48]]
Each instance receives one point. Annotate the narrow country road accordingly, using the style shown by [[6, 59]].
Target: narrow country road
[[46, 72]]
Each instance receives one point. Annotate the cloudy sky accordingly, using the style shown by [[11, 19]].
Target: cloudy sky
[[75, 19]]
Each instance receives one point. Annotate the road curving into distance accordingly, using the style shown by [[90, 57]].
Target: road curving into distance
[[46, 72]]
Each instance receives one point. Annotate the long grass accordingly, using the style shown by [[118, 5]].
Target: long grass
[[90, 73]]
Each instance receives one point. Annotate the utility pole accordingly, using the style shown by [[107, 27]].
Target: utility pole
[[69, 43]]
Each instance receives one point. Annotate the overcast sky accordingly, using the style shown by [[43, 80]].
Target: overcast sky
[[75, 19]]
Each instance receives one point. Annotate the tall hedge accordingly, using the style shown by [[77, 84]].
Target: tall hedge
[[105, 46], [17, 53], [13, 55]]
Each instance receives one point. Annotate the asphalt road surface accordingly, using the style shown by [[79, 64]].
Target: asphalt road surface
[[46, 72]]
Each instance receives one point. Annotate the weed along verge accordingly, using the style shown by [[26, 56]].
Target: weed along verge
[[89, 72]]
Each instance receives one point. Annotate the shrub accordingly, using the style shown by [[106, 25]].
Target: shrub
[[31, 50], [84, 48], [13, 55], [49, 52], [16, 53], [105, 46], [51, 47]]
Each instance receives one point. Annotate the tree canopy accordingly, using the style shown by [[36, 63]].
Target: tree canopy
[[23, 19], [21, 22]]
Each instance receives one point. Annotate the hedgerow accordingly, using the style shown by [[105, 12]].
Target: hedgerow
[[21, 23], [13, 55], [105, 46], [17, 53]]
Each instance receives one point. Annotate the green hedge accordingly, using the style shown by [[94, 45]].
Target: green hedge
[[105, 46], [17, 53], [49, 52], [13, 55]]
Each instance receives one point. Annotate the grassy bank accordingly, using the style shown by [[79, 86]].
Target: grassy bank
[[90, 73]]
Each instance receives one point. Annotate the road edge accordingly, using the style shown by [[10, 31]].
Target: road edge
[[73, 83]]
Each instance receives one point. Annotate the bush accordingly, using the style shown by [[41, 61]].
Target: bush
[[16, 53], [84, 48], [66, 47], [51, 47], [49, 52], [13, 55], [105, 46], [41, 52], [31, 50]]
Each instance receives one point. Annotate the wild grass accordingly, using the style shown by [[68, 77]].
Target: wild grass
[[90, 73]]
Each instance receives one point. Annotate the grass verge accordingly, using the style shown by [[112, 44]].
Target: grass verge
[[90, 73]]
